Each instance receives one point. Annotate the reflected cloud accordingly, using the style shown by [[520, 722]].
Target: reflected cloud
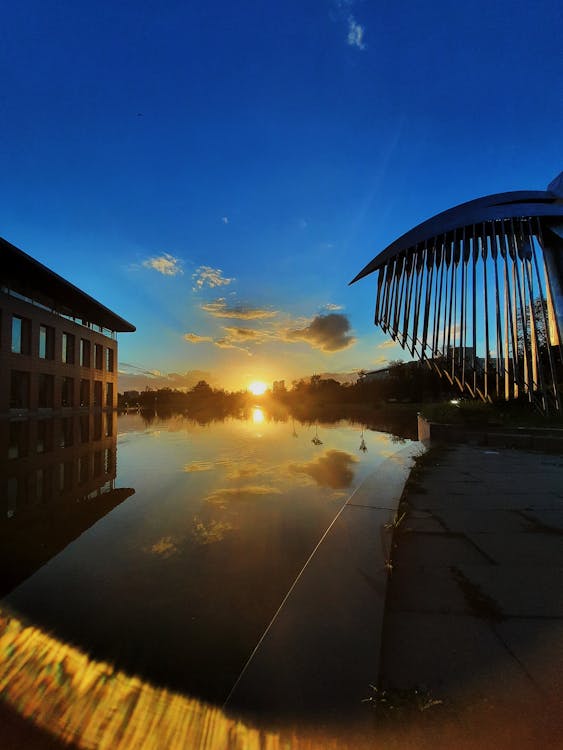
[[198, 466], [333, 469], [223, 497], [211, 532], [165, 547]]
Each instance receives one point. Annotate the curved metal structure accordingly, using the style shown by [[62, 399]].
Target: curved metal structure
[[477, 292]]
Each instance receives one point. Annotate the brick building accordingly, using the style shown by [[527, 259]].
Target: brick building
[[58, 345]]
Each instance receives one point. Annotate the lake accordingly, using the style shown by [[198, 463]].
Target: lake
[[166, 546]]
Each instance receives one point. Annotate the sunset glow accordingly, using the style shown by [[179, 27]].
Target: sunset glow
[[257, 387]]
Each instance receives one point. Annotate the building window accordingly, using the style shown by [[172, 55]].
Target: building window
[[68, 348], [84, 393], [66, 432], [98, 463], [21, 335], [19, 390], [44, 435], [84, 428], [85, 352], [109, 395], [67, 392], [46, 342], [97, 392], [109, 359], [65, 475], [46, 391], [97, 426], [83, 469], [98, 356], [19, 439], [109, 424]]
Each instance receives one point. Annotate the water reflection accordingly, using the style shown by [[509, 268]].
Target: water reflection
[[179, 585], [57, 479]]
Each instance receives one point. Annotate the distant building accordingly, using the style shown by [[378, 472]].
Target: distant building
[[58, 345]]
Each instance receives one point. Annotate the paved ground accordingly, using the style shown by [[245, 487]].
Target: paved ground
[[474, 607]]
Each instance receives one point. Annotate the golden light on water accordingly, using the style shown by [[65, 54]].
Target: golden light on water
[[257, 387], [257, 415]]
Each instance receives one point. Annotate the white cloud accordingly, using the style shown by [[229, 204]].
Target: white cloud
[[332, 307], [388, 344], [355, 33], [211, 277], [194, 338], [225, 219], [165, 264]]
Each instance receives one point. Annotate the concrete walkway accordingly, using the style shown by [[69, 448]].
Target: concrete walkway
[[475, 602]]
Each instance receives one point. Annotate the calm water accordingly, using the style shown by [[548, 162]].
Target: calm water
[[167, 546]]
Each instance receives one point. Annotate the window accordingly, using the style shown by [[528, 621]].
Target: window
[[66, 432], [67, 392], [109, 395], [19, 439], [44, 435], [84, 428], [68, 348], [65, 475], [109, 424], [97, 426], [85, 352], [46, 391], [98, 356], [19, 390], [83, 469], [109, 359], [97, 392], [84, 393], [21, 335], [98, 462], [46, 342]]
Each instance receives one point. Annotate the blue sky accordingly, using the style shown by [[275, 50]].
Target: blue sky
[[217, 172]]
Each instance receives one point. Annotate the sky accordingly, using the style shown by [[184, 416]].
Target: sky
[[217, 172]]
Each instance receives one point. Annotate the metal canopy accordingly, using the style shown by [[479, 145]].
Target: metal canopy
[[475, 292]]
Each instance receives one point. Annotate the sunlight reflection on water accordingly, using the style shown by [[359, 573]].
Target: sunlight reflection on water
[[178, 580]]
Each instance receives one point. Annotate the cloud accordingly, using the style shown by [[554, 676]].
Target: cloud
[[355, 36], [220, 309], [329, 333], [228, 495], [236, 333], [332, 307], [165, 264], [225, 219], [165, 547], [210, 277], [388, 345], [226, 343], [211, 532], [333, 469], [194, 338], [197, 466]]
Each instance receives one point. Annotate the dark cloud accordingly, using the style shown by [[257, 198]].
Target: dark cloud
[[329, 333]]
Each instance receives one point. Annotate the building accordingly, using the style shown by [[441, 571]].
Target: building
[[58, 345]]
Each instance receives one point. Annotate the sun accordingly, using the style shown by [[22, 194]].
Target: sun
[[257, 387]]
